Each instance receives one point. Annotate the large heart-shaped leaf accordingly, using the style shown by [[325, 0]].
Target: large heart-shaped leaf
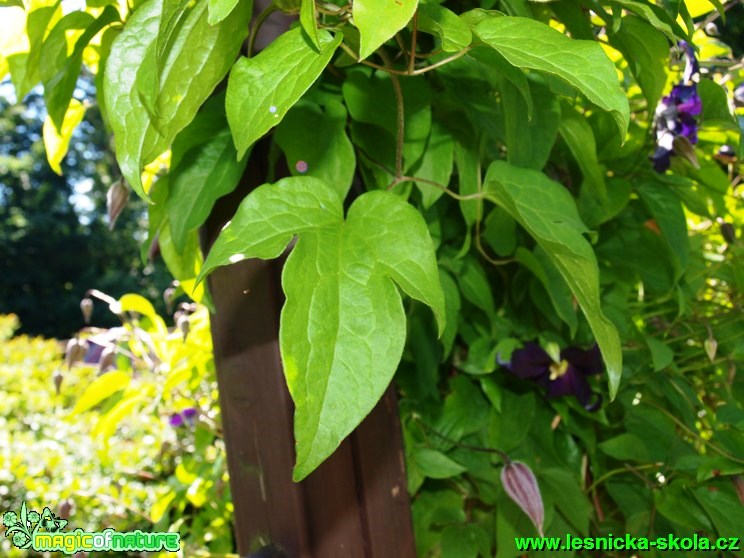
[[547, 211], [343, 326], [529, 44]]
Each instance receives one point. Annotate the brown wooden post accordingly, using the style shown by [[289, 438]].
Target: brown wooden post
[[356, 504]]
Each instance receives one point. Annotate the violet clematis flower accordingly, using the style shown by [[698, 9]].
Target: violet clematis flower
[[675, 120], [567, 377], [187, 416]]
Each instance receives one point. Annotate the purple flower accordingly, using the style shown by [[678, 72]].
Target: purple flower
[[676, 114], [187, 416], [566, 377]]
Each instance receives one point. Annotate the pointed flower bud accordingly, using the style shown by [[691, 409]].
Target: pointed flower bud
[[168, 296], [107, 359], [521, 486], [183, 324], [76, 349], [738, 481], [57, 378], [65, 507], [116, 199], [711, 347], [86, 307]]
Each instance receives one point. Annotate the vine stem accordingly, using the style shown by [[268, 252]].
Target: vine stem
[[262, 17], [502, 454], [694, 434], [396, 72], [400, 117], [412, 57]]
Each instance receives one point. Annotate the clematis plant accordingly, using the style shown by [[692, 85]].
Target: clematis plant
[[675, 121], [566, 375]]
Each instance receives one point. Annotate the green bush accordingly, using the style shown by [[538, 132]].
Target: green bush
[[108, 443]]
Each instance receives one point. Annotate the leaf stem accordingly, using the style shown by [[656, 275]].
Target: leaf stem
[[260, 20], [396, 72], [412, 57], [694, 434], [502, 454], [400, 116]]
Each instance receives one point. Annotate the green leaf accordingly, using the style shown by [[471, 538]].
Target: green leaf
[[204, 167], [581, 64], [716, 111], [379, 20], [656, 16], [101, 388], [262, 89], [25, 66], [434, 464], [666, 209], [317, 136], [475, 287], [568, 496], [197, 59], [723, 508], [308, 22], [452, 304], [465, 541], [529, 139], [60, 78], [370, 98], [343, 325], [435, 165], [646, 52], [547, 211], [661, 355], [11, 3], [579, 137], [444, 24], [220, 9], [209, 172], [56, 142], [625, 447]]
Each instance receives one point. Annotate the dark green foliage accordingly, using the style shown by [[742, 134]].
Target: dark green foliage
[[52, 252]]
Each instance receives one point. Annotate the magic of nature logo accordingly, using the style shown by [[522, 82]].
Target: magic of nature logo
[[43, 532]]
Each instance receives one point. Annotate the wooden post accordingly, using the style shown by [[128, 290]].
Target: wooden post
[[356, 504]]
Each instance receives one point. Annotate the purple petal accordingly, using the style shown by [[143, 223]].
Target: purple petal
[[189, 413], [661, 159], [531, 362], [688, 128], [574, 383], [176, 420], [587, 362]]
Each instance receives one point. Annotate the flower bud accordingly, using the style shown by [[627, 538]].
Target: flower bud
[[86, 307], [711, 29], [168, 295], [75, 352], [57, 378], [728, 233], [107, 359], [116, 199], [738, 481], [684, 149], [183, 324], [711, 347], [65, 507], [521, 486], [154, 251]]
